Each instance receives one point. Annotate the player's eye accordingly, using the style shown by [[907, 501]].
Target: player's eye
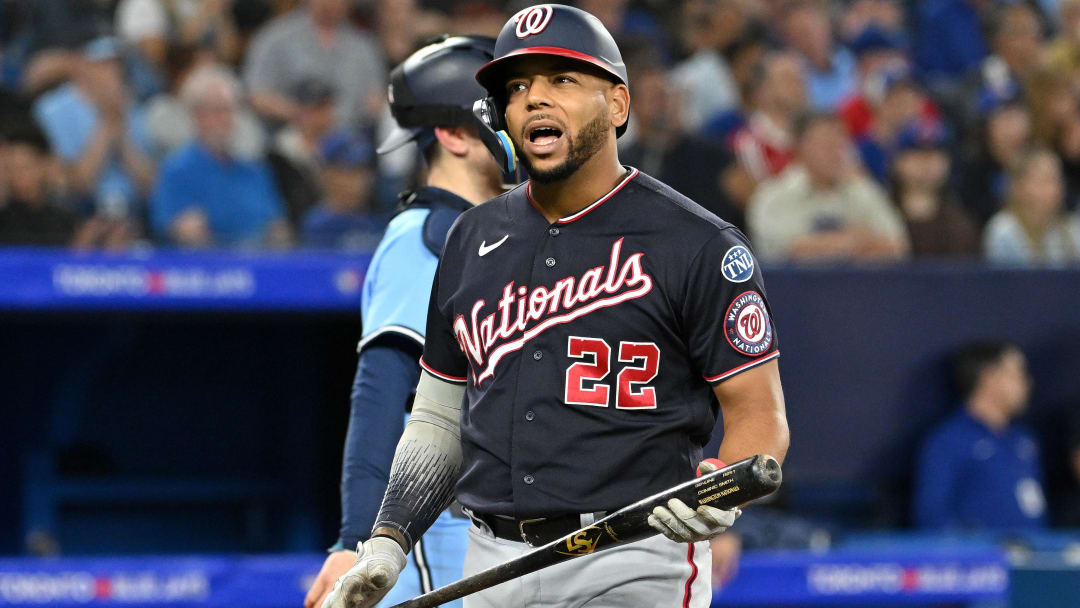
[[515, 87], [563, 78]]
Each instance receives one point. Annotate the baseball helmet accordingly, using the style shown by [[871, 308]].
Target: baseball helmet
[[545, 29], [434, 87]]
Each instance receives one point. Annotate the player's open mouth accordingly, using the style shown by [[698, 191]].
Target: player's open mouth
[[542, 136]]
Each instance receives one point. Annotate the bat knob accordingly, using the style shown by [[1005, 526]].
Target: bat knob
[[767, 469]]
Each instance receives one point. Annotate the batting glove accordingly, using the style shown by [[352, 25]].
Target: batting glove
[[682, 524], [378, 563]]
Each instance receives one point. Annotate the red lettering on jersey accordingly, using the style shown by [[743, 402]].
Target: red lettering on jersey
[[524, 314]]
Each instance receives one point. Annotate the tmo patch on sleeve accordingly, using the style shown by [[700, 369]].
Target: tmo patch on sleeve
[[747, 326]]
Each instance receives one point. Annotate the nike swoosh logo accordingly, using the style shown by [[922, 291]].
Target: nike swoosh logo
[[486, 249]]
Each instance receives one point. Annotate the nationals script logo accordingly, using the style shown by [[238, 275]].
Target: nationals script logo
[[523, 314], [532, 20]]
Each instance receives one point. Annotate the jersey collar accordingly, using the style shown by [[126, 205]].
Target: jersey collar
[[570, 218]]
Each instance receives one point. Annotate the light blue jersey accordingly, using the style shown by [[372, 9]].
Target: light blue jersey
[[395, 301]]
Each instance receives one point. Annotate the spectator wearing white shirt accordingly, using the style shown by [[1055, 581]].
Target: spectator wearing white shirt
[[823, 206], [1033, 228], [316, 40]]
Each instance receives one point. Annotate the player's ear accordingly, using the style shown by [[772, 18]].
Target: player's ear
[[618, 98], [453, 139]]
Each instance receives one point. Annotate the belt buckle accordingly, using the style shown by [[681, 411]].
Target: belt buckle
[[521, 529]]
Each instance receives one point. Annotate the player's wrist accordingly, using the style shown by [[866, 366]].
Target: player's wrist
[[393, 534]]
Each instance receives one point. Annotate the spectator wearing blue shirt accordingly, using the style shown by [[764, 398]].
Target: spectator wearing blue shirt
[[344, 219], [207, 197], [829, 69], [99, 133], [980, 468], [949, 40]]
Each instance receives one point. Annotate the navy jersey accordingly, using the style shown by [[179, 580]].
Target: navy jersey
[[589, 345]]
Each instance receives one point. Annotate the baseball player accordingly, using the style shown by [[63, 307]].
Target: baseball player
[[584, 331], [431, 98]]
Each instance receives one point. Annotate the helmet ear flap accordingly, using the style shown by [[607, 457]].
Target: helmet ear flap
[[493, 133]]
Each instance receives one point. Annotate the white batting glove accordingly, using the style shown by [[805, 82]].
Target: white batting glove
[[682, 524], [378, 563]]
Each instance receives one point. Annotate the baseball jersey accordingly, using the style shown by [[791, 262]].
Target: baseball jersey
[[394, 309], [589, 345]]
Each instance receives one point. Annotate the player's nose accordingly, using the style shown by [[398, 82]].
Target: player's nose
[[538, 95]]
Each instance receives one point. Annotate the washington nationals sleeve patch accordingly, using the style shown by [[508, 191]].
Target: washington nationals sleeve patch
[[747, 326]]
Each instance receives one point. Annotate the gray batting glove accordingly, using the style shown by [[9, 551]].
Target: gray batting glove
[[378, 563], [682, 524]]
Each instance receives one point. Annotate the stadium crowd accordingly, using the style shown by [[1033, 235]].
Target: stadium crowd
[[829, 130]]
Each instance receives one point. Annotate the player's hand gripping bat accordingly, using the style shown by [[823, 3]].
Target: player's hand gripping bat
[[726, 488]]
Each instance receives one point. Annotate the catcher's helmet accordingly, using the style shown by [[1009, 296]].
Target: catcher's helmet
[[434, 87], [550, 29]]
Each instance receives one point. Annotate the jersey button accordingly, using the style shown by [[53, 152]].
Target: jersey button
[[549, 262], [553, 231], [528, 479], [529, 416], [538, 355]]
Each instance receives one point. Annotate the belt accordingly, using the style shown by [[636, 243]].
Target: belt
[[535, 531]]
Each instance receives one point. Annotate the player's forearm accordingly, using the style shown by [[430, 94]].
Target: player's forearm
[[385, 377], [755, 421], [426, 463], [756, 433]]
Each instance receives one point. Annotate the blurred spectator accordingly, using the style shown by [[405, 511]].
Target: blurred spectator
[[170, 120], [1016, 36], [1063, 54], [743, 58], [882, 62], [936, 224], [31, 215], [823, 207], [316, 41], [1017, 40], [1033, 229], [704, 79], [399, 23], [899, 103], [294, 158], [100, 133], [887, 15], [764, 146], [624, 20], [67, 24], [659, 146], [1055, 117], [152, 24], [344, 219], [1005, 136], [948, 40], [979, 469], [206, 196], [830, 69]]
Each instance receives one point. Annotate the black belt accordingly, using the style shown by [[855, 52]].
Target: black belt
[[535, 531]]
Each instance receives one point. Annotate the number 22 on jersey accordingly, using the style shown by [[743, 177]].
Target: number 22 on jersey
[[642, 362]]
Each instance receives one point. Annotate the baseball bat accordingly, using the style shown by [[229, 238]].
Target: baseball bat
[[729, 487]]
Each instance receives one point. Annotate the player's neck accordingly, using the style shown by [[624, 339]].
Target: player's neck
[[591, 181], [459, 178]]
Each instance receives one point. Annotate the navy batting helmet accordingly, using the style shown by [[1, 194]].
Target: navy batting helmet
[[552, 29], [434, 87]]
